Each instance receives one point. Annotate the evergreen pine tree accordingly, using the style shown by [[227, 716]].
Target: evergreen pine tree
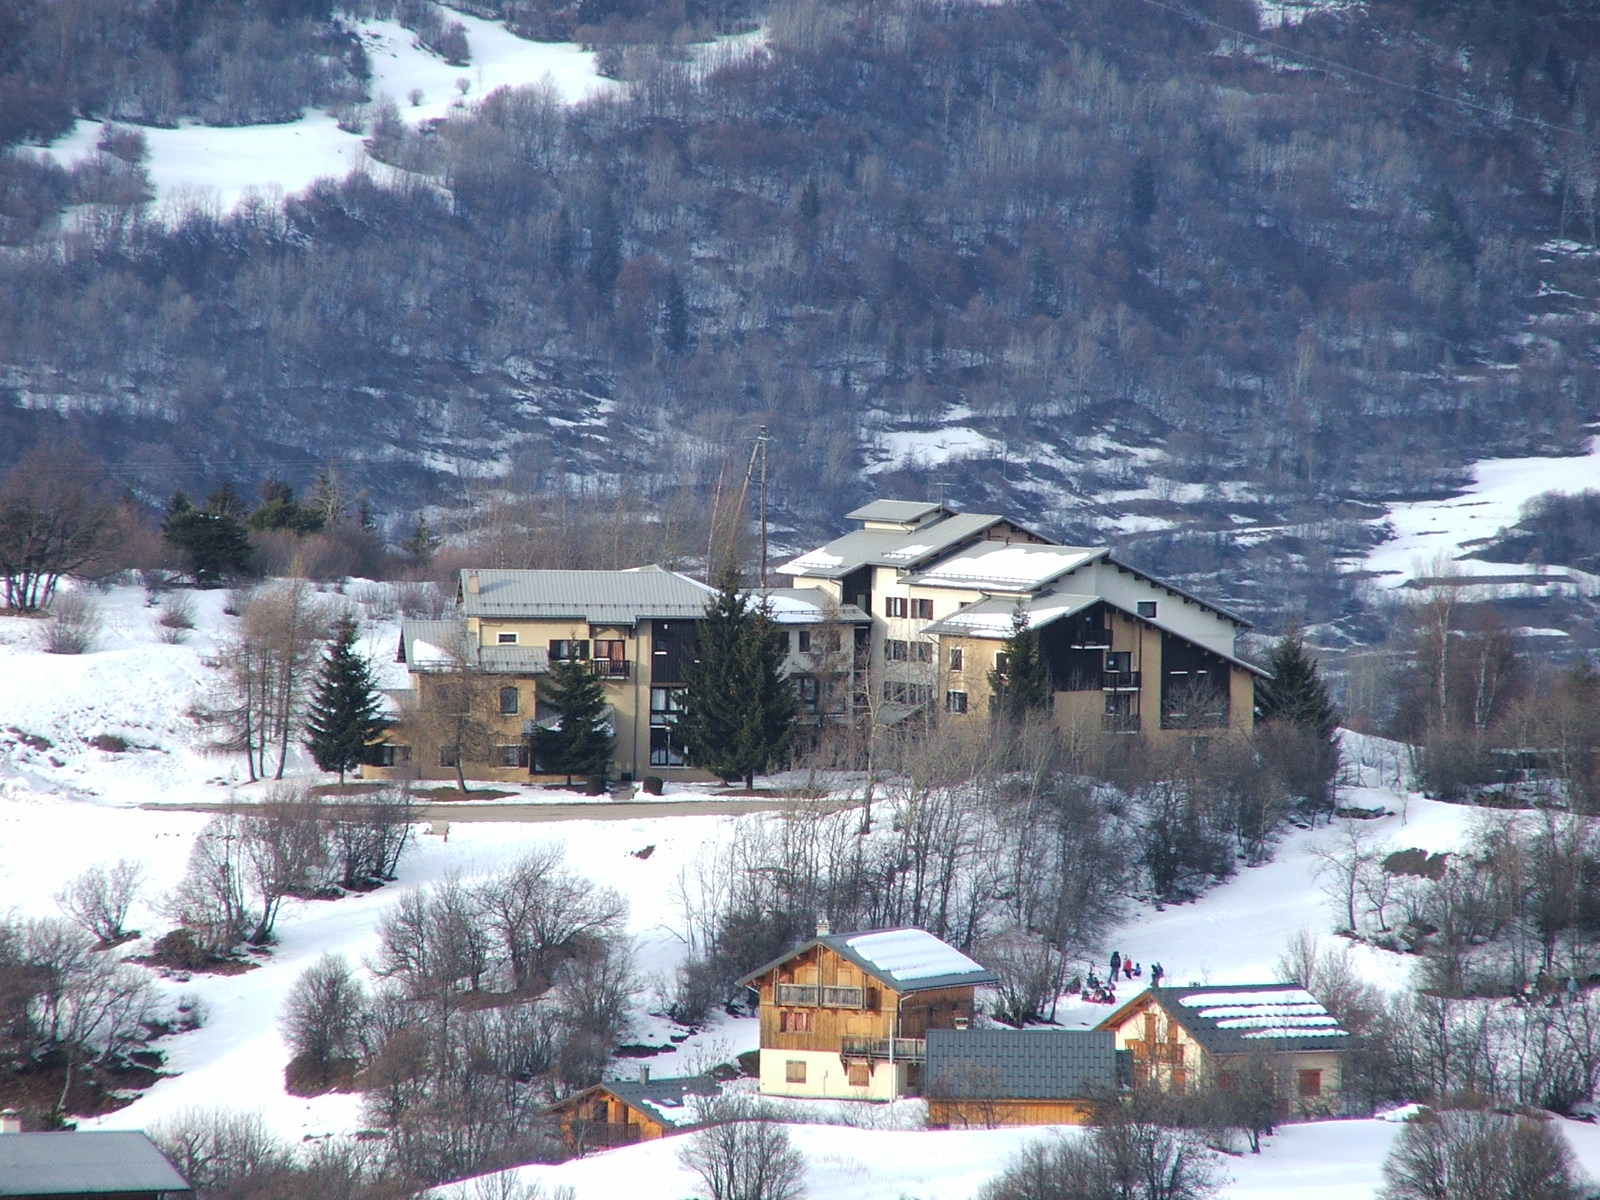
[[212, 539], [1296, 696], [344, 718], [1023, 684], [581, 745], [739, 710]]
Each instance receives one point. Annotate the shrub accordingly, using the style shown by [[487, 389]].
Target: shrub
[[653, 785], [1471, 1154], [73, 626]]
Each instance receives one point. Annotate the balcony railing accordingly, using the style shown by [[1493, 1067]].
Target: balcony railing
[[1119, 723], [1092, 639], [609, 668], [888, 1049], [806, 995], [1119, 681]]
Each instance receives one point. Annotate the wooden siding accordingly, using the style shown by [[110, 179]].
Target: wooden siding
[[990, 1114], [598, 1121]]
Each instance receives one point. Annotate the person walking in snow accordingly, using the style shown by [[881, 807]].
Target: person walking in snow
[[1116, 964], [1155, 974]]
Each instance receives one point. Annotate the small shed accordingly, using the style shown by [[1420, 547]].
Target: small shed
[[70, 1166], [620, 1113], [988, 1077]]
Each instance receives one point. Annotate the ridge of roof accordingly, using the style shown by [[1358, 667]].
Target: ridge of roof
[[841, 944]]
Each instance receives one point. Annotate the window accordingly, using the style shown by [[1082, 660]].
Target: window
[[922, 609], [511, 755], [510, 702], [955, 658], [666, 747], [1310, 1084], [955, 702], [922, 652], [809, 691], [1002, 662], [802, 641], [894, 606], [387, 754], [505, 639], [567, 649], [1146, 609], [795, 1020], [1119, 662], [895, 650], [860, 1074], [896, 692], [449, 756], [794, 1071]]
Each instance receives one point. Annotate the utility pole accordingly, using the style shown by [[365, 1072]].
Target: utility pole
[[761, 441]]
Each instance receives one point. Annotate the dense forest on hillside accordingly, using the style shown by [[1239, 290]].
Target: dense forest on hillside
[[1137, 248]]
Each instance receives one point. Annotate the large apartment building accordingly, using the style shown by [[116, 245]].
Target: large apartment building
[[636, 630], [1126, 653]]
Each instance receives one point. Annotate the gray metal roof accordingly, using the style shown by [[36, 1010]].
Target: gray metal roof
[[1020, 1064], [97, 1163], [904, 511], [665, 1098], [992, 618], [890, 547], [808, 606], [598, 597], [434, 645]]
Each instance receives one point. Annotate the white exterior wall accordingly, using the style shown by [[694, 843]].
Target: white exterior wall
[[827, 1077]]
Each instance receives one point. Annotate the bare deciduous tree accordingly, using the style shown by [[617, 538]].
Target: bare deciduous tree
[[53, 521], [99, 899]]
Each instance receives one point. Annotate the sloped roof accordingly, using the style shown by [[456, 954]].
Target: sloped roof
[[992, 618], [673, 1102], [1178, 591], [1020, 1064], [891, 547], [1006, 566], [433, 646], [808, 606], [907, 960], [96, 1163], [598, 597], [1245, 1018], [904, 511]]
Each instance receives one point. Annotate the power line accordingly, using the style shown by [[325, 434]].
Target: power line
[[1335, 65]]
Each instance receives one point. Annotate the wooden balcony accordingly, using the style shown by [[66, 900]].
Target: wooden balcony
[[913, 1050], [1120, 681], [610, 668], [807, 995]]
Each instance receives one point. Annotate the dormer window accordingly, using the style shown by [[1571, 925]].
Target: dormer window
[[1146, 609]]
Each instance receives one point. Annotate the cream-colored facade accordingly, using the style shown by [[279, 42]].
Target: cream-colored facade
[[1127, 654]]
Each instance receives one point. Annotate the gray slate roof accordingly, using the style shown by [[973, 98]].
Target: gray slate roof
[[598, 597], [1020, 1064], [97, 1163], [664, 1099]]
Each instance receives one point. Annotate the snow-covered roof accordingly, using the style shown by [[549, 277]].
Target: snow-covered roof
[[992, 618], [907, 960], [889, 547], [807, 606], [1238, 1019], [904, 512], [1001, 566]]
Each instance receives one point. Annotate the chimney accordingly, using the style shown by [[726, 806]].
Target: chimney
[[823, 928], [644, 1073], [10, 1121], [472, 583]]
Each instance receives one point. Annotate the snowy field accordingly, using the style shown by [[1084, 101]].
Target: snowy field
[[68, 806], [1427, 531], [225, 163]]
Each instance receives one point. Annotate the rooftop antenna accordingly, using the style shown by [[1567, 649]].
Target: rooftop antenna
[[759, 453]]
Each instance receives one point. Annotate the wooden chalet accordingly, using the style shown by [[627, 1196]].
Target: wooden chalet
[[1190, 1036], [624, 1112], [988, 1077], [848, 1015]]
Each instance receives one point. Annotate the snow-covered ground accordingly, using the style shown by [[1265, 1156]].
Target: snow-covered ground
[[227, 162], [65, 807], [1430, 532]]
